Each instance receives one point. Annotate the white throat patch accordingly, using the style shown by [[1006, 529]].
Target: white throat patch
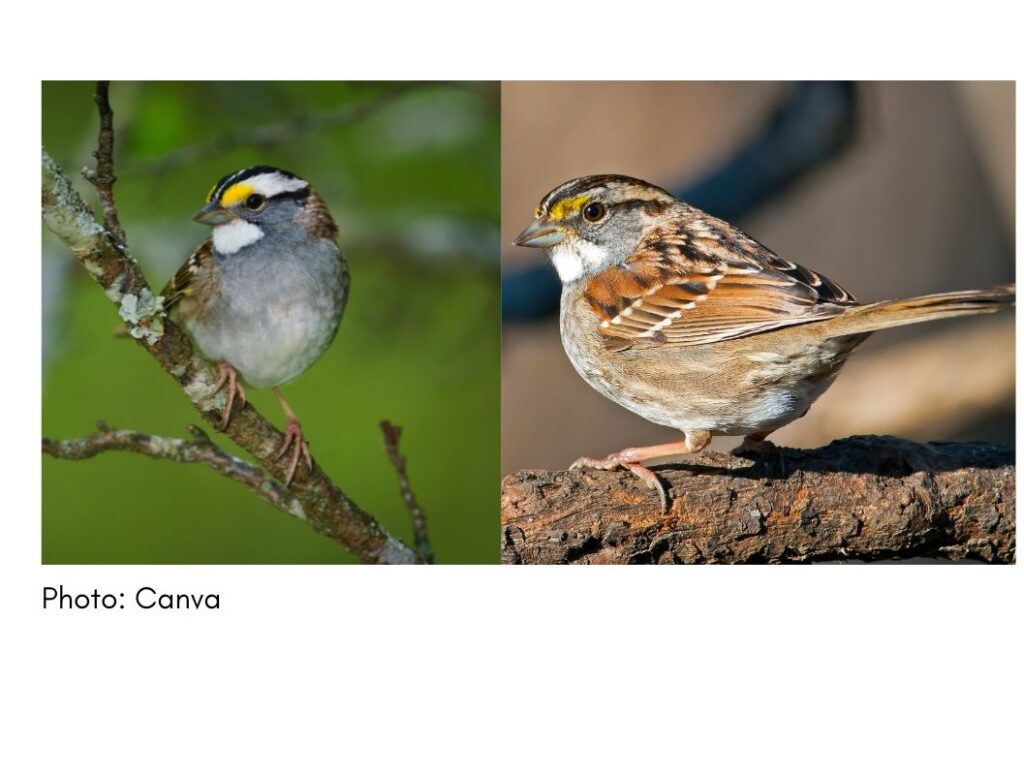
[[575, 258], [233, 236]]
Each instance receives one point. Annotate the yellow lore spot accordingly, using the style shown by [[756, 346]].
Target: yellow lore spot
[[566, 207], [235, 194]]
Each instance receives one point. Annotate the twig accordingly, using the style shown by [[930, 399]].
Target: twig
[[862, 498], [270, 134], [199, 449], [392, 435], [329, 510], [103, 177]]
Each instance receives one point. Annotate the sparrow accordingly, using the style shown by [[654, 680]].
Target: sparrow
[[263, 296], [688, 322]]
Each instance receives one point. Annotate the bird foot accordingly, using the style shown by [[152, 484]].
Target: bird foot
[[226, 374], [294, 440], [613, 461], [624, 460]]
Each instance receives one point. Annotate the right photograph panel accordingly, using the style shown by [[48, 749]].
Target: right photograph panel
[[767, 322]]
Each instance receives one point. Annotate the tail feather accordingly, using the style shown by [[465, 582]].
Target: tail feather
[[901, 312]]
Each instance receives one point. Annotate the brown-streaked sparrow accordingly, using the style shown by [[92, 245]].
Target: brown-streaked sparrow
[[690, 323]]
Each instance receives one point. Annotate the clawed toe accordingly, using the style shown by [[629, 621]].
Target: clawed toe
[[652, 481], [606, 464], [649, 478], [226, 374], [294, 440], [630, 457]]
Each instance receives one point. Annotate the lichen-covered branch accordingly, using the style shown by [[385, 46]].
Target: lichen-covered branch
[[392, 435], [71, 220], [199, 449], [329, 510], [862, 498]]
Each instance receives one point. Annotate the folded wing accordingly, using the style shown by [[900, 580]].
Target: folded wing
[[705, 282]]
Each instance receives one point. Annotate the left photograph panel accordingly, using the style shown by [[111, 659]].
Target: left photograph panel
[[271, 322]]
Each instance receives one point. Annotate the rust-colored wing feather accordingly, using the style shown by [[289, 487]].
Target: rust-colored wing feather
[[190, 276], [703, 282]]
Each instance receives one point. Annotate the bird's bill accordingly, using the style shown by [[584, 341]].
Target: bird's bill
[[542, 233], [214, 215]]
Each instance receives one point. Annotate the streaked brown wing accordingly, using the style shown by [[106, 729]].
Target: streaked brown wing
[[706, 282], [189, 275]]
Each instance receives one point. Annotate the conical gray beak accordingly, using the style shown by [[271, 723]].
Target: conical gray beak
[[542, 233], [214, 215]]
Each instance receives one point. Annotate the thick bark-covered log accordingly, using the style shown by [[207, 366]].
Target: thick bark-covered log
[[862, 498]]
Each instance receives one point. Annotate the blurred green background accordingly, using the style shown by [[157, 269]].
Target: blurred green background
[[411, 174]]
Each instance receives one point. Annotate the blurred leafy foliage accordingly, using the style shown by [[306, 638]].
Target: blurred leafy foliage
[[414, 186]]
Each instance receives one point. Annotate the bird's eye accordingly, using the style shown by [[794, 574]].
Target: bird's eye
[[594, 212], [255, 201]]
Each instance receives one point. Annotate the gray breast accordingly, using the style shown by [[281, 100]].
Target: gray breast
[[277, 311]]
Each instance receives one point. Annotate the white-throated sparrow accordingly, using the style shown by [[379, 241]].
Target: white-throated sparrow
[[690, 323], [264, 295]]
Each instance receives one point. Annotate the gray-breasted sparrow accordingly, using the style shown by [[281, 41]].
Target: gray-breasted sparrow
[[264, 295]]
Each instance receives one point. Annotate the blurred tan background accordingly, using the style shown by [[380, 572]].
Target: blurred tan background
[[922, 201]]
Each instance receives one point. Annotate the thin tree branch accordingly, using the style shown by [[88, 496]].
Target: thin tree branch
[[392, 435], [862, 498], [272, 134], [103, 177], [329, 510], [200, 449]]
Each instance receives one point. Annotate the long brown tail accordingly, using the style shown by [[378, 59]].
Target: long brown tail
[[886, 315]]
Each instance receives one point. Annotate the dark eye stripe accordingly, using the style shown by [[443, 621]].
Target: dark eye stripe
[[299, 196]]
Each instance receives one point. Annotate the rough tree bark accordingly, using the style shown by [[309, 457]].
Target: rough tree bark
[[862, 498]]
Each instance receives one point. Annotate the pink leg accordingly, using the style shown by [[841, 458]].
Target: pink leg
[[294, 439], [630, 458], [226, 374]]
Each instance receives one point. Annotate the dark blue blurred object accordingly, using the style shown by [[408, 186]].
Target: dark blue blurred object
[[816, 121]]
